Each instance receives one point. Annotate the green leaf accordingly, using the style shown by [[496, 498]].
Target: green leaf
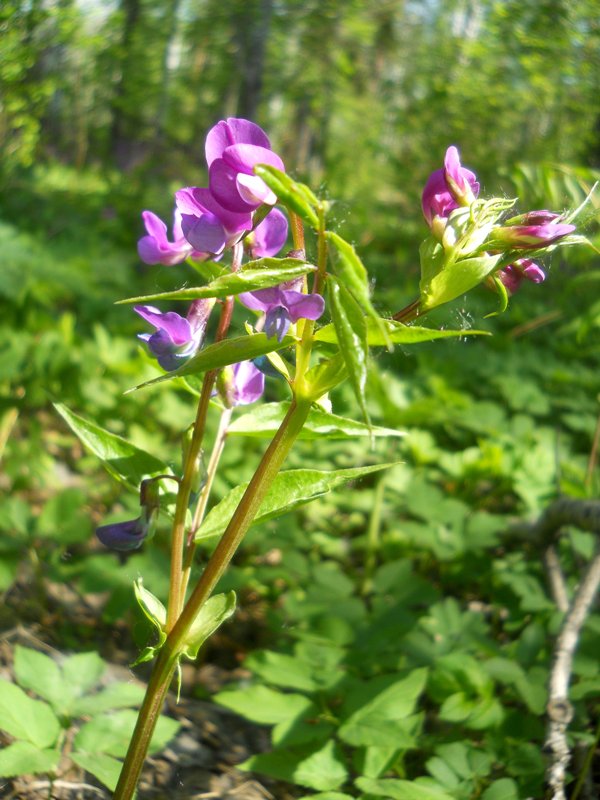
[[326, 375], [116, 695], [281, 669], [152, 607], [264, 420], [209, 270], [397, 333], [211, 616], [265, 706], [106, 768], [351, 330], [289, 490], [82, 672], [296, 196], [260, 274], [40, 673], [322, 769], [221, 354], [24, 718], [353, 274], [400, 790], [327, 796], [110, 733], [456, 278], [379, 722], [503, 789], [123, 460], [24, 758]]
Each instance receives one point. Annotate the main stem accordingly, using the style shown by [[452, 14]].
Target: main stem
[[168, 656]]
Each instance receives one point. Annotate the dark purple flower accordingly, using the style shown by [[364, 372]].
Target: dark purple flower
[[283, 306], [233, 148], [123, 536], [269, 236], [155, 247], [448, 188], [524, 268], [206, 225], [176, 337], [530, 237]]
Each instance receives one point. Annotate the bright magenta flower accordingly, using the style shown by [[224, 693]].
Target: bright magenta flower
[[448, 188], [524, 268], [233, 148], [176, 338], [283, 306], [155, 247]]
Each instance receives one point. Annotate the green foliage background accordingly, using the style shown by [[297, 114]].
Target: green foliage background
[[103, 112]]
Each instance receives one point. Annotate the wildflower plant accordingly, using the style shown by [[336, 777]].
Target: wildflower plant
[[308, 324]]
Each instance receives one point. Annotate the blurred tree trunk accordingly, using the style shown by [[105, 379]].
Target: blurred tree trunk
[[170, 25], [252, 21], [120, 132]]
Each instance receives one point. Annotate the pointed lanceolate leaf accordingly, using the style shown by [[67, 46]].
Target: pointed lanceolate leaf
[[125, 462], [353, 275], [289, 490], [351, 329], [264, 420], [221, 354], [296, 196], [260, 274], [397, 332], [211, 616]]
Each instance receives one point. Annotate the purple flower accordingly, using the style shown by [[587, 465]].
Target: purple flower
[[176, 337], [448, 188], [155, 248], [530, 237], [524, 268], [248, 383], [283, 306], [206, 225], [269, 236], [123, 536], [233, 148]]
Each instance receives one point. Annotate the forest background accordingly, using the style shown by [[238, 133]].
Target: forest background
[[103, 112]]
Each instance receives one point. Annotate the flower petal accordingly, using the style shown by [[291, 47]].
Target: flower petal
[[270, 235], [231, 131], [223, 187], [248, 383]]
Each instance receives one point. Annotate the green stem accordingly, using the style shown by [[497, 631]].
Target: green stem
[[168, 656], [373, 537], [304, 347], [211, 471]]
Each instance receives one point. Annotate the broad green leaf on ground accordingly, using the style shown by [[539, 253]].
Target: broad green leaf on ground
[[116, 695], [400, 790], [264, 420], [503, 789], [40, 673], [264, 705], [211, 616], [289, 490], [123, 460], [81, 672], [261, 274], [281, 669], [397, 333], [110, 733], [221, 354], [327, 796], [24, 758], [351, 331], [377, 722], [353, 275], [296, 196], [24, 718], [322, 769], [106, 768]]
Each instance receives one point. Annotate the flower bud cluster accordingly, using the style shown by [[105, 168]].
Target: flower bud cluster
[[472, 230]]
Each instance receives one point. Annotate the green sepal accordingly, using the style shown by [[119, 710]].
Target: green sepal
[[221, 354], [444, 279], [260, 274], [354, 276], [502, 291], [351, 330], [326, 375], [211, 616], [296, 196], [156, 613]]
